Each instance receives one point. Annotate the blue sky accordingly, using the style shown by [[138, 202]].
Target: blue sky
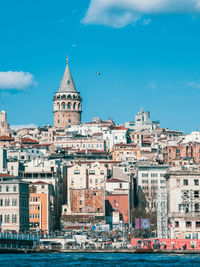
[[147, 57]]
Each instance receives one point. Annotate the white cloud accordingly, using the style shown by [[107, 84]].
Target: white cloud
[[17, 80], [27, 126], [193, 84], [119, 13]]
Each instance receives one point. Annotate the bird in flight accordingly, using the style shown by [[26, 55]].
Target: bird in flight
[[98, 73]]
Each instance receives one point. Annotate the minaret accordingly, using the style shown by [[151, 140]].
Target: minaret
[[67, 102], [4, 126]]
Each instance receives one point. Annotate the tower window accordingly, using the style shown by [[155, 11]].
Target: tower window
[[58, 121], [68, 82], [63, 105], [69, 105], [69, 121]]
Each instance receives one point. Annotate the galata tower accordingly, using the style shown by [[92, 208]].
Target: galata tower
[[67, 102]]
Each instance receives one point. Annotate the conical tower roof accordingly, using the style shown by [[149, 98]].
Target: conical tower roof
[[67, 84]]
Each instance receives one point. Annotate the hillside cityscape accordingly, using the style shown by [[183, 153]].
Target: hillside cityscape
[[97, 180]]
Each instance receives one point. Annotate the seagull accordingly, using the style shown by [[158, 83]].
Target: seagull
[[98, 73]]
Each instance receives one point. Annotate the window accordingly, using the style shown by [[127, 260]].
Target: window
[[80, 209], [145, 175], [14, 202], [196, 194], [177, 151], [185, 181], [96, 181], [170, 151], [1, 202], [94, 194], [92, 172], [7, 202], [176, 224], [72, 182], [120, 185], [14, 218], [188, 224], [154, 175], [14, 188], [196, 207], [76, 171], [7, 218], [69, 121], [197, 224], [80, 202], [7, 188], [91, 181], [196, 182], [144, 181], [43, 186], [0, 188], [115, 201], [98, 209]]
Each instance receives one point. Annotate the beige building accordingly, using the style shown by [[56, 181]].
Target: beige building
[[86, 180], [67, 102], [122, 152], [184, 203], [14, 203], [80, 143]]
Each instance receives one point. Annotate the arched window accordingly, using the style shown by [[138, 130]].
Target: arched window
[[63, 105], [69, 121], [58, 105], [69, 96], [69, 105], [74, 96], [196, 207], [79, 105], [74, 106]]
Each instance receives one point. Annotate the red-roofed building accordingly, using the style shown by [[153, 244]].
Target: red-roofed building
[[5, 141]]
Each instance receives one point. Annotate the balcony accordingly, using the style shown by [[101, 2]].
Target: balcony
[[189, 215]]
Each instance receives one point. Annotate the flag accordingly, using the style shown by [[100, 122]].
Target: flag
[[145, 223], [137, 223]]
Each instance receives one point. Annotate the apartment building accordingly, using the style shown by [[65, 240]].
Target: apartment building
[[150, 179], [14, 204], [184, 203], [41, 207], [85, 190]]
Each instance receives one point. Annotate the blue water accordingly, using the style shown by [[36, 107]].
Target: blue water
[[98, 259]]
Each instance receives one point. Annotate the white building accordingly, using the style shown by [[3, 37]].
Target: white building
[[192, 137], [184, 203], [14, 203], [142, 122], [150, 179]]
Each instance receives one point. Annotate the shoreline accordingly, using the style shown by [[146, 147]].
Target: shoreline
[[127, 251]]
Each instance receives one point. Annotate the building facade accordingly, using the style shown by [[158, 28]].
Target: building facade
[[41, 206], [14, 204], [184, 203]]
